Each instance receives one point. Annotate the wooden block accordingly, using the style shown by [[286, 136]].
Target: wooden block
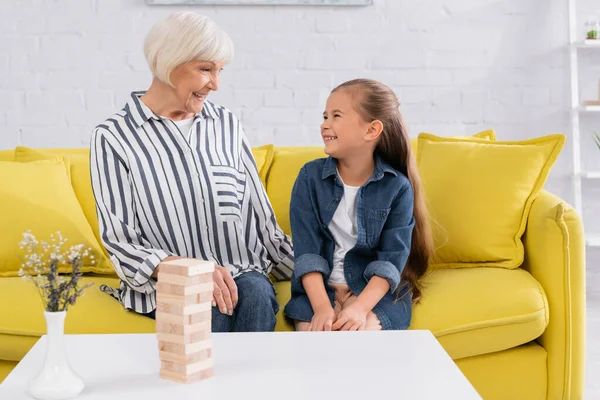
[[186, 369], [185, 359], [205, 285], [184, 349], [188, 338], [201, 316], [181, 329], [180, 280], [196, 298], [187, 267], [184, 319], [205, 374], [181, 309]]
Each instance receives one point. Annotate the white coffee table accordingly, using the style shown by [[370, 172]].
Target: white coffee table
[[328, 365]]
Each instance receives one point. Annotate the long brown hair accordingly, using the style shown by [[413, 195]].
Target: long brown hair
[[375, 101]]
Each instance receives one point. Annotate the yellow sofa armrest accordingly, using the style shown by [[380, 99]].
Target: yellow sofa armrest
[[555, 256]]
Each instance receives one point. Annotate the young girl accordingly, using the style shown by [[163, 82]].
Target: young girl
[[359, 223]]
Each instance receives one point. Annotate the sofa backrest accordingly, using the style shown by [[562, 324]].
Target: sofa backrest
[[280, 172]]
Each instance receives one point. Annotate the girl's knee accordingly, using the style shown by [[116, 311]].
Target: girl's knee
[[373, 323]]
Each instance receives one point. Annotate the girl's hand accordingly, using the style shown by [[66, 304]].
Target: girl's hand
[[351, 318], [323, 319]]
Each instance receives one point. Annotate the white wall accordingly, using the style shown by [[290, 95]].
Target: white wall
[[458, 66]]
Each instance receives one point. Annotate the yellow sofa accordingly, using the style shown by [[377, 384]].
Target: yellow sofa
[[515, 334]]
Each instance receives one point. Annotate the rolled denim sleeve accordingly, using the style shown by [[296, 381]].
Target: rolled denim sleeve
[[395, 240], [385, 270], [306, 235], [308, 263]]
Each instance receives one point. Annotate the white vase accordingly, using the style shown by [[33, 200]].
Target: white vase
[[56, 380]]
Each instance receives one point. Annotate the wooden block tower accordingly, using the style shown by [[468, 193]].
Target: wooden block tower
[[183, 319]]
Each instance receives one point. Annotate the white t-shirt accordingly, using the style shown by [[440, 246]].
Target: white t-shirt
[[185, 126], [344, 230]]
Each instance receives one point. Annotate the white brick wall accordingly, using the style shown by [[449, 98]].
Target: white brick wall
[[457, 66]]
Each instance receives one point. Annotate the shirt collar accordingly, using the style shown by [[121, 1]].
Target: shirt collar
[[140, 113], [381, 167], [209, 110]]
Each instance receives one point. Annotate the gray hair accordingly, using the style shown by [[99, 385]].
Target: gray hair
[[182, 37]]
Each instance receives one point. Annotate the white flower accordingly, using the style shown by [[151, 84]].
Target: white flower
[[54, 256], [74, 253], [28, 240]]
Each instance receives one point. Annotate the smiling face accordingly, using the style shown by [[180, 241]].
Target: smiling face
[[343, 130], [193, 82]]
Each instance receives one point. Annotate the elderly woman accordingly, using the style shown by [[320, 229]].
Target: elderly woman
[[173, 176]]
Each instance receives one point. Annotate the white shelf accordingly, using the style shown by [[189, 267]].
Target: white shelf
[[589, 108], [592, 240], [590, 174], [588, 44]]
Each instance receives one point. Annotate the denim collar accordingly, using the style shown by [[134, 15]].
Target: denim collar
[[140, 112], [381, 167]]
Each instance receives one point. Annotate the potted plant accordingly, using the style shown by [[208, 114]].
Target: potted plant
[[592, 26], [58, 291]]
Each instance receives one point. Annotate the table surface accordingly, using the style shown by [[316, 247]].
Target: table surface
[[282, 366]]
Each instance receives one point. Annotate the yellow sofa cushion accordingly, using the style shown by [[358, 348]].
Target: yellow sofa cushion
[[472, 311], [287, 162], [263, 156], [37, 196], [80, 177], [476, 311], [7, 155], [95, 312], [479, 194], [489, 134]]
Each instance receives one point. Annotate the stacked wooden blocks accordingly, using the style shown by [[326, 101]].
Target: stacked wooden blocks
[[183, 319]]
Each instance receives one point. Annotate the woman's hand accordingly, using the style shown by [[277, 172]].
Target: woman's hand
[[225, 293], [351, 318], [323, 319]]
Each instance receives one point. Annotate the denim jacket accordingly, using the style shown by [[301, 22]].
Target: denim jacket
[[384, 211]]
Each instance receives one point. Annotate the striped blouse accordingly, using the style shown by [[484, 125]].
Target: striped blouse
[[161, 192]]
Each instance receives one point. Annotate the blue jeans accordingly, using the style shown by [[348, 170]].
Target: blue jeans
[[256, 308]]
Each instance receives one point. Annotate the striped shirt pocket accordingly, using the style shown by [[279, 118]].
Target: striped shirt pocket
[[230, 187]]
